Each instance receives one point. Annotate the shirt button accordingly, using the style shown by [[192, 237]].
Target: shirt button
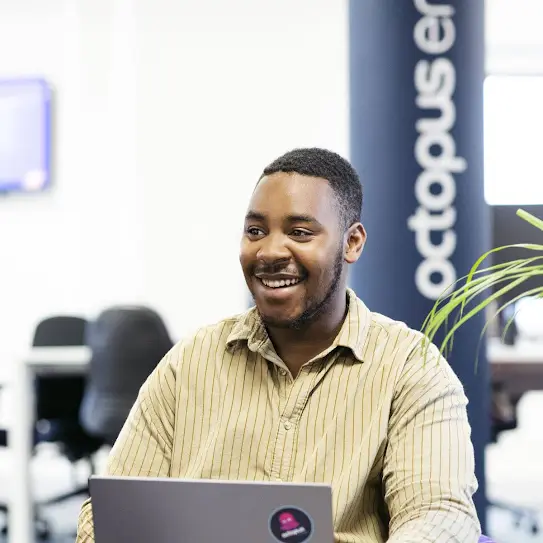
[[287, 425]]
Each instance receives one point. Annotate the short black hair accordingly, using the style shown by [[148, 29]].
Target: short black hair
[[339, 173]]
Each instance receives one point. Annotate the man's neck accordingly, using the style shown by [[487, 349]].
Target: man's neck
[[298, 346]]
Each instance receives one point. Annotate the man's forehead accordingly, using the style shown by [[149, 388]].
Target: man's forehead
[[293, 178], [288, 195], [291, 186]]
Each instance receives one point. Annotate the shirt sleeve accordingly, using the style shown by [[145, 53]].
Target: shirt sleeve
[[429, 466], [144, 445]]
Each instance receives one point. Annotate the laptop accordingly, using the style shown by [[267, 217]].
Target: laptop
[[156, 510]]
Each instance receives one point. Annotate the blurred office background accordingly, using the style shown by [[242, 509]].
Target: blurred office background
[[164, 114]]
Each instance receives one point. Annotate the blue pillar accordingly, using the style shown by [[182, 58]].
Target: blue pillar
[[416, 94]]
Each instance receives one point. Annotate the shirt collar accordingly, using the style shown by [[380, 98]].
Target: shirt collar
[[352, 335]]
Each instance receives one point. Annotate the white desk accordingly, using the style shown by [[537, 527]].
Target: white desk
[[50, 360], [519, 367], [524, 352]]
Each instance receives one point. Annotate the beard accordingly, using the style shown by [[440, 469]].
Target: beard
[[316, 307]]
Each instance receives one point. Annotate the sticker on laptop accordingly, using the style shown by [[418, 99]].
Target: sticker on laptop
[[291, 525]]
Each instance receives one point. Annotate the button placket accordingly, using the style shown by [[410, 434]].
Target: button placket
[[300, 390], [283, 385]]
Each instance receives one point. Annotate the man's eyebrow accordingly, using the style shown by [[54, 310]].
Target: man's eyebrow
[[298, 217], [255, 216], [301, 218]]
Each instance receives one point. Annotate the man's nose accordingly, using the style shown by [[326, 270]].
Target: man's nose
[[273, 249]]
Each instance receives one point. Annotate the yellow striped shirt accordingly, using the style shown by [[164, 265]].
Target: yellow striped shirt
[[387, 429]]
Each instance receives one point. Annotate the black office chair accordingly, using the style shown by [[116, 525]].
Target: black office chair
[[58, 401], [504, 418], [127, 343]]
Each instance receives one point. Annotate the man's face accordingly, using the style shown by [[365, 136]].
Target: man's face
[[292, 249]]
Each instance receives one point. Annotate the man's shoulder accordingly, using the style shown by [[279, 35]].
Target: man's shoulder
[[394, 343], [364, 322], [393, 328], [384, 328], [409, 348], [216, 336]]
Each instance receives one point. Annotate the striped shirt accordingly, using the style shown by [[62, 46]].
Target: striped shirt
[[373, 416]]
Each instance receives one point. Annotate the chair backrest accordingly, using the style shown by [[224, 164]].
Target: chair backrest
[[60, 331], [503, 412], [127, 343], [59, 397]]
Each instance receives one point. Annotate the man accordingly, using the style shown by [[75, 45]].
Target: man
[[310, 386]]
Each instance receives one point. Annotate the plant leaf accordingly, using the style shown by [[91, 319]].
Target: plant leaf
[[457, 299], [533, 220]]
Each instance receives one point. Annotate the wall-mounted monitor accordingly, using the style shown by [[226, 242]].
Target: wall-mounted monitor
[[25, 135]]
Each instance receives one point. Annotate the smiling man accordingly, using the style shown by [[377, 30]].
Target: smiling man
[[310, 385]]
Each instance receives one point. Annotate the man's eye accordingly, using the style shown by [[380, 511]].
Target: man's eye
[[254, 231], [297, 233]]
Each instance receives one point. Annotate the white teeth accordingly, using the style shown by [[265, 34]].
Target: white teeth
[[280, 283]]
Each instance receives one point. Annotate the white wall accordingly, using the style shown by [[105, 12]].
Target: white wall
[[514, 39], [167, 111]]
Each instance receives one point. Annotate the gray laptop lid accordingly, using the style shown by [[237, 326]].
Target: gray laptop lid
[[150, 510]]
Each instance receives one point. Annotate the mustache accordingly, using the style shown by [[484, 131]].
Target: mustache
[[277, 268]]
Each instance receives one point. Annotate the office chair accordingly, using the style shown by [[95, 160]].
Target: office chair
[[127, 343], [503, 419], [58, 400]]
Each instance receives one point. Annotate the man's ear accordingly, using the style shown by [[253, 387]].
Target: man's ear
[[355, 239]]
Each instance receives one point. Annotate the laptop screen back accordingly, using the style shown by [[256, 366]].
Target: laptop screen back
[[143, 510]]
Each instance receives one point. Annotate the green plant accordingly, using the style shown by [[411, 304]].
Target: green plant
[[466, 297]]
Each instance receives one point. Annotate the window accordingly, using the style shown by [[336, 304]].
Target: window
[[513, 148]]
